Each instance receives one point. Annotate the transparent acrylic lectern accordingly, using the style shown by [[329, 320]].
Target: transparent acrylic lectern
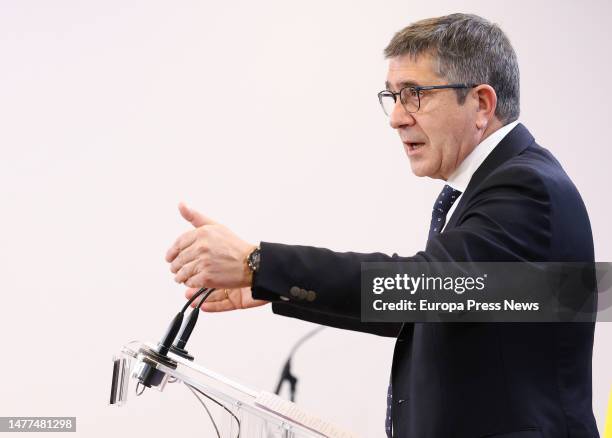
[[234, 410]]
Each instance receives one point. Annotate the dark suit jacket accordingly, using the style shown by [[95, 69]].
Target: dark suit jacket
[[512, 380]]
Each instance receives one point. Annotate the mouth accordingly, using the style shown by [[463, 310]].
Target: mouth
[[413, 147]]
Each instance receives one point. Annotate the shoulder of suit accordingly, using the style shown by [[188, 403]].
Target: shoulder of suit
[[535, 169]]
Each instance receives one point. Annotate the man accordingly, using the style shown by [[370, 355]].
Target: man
[[452, 93]]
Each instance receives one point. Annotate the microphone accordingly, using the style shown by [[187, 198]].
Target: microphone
[[179, 347], [286, 374], [147, 372]]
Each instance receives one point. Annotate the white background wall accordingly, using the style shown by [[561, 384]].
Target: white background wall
[[264, 116]]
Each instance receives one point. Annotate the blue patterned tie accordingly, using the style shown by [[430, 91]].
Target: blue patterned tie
[[388, 415], [445, 201]]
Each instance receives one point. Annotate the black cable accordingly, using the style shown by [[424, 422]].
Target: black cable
[[179, 346], [195, 297], [219, 403], [304, 338], [206, 295], [206, 408]]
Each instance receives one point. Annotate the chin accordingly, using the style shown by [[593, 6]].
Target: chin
[[419, 170]]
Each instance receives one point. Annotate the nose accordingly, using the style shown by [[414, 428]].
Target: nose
[[400, 117]]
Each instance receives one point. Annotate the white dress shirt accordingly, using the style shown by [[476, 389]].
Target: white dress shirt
[[462, 175]]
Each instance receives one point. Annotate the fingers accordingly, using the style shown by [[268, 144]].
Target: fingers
[[218, 306], [216, 296], [199, 280], [187, 271], [185, 256], [191, 292], [184, 241], [196, 219]]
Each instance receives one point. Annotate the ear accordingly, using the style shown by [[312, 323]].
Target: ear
[[487, 103]]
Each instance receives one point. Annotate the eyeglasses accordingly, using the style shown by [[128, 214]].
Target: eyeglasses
[[410, 96]]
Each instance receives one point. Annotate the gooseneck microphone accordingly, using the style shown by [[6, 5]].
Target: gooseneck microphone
[[286, 375], [148, 374]]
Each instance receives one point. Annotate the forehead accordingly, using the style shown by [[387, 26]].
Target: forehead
[[406, 70]]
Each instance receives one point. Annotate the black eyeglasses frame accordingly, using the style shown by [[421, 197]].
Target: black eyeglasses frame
[[417, 89]]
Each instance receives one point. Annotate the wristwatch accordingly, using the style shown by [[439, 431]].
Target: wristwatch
[[253, 260]]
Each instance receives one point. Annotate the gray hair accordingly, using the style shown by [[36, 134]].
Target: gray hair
[[468, 49]]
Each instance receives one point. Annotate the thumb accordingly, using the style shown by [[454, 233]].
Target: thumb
[[196, 219]]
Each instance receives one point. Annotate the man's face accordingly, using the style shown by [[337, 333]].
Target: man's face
[[442, 133]]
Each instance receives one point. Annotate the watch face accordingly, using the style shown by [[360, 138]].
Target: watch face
[[254, 260]]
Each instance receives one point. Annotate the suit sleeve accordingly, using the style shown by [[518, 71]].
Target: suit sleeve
[[321, 286], [507, 219]]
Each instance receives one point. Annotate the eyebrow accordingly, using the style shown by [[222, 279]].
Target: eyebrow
[[402, 84]]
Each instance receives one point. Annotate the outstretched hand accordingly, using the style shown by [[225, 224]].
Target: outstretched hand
[[210, 255]]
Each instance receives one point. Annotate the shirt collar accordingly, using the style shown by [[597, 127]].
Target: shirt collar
[[462, 175]]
